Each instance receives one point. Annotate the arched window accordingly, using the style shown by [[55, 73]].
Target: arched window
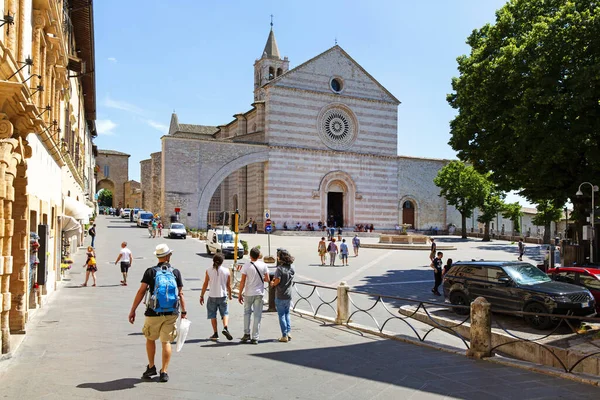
[[407, 204], [271, 73], [279, 71]]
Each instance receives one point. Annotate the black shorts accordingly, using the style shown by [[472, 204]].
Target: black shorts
[[125, 267]]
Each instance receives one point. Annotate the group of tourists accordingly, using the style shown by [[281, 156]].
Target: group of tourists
[[155, 228], [162, 285], [332, 249]]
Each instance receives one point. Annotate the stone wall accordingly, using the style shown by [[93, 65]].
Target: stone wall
[[146, 183], [118, 173], [156, 174]]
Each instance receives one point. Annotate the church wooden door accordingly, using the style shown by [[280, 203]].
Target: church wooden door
[[408, 214]]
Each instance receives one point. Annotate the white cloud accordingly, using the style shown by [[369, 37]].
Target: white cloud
[[105, 127], [158, 126], [112, 59], [122, 105]]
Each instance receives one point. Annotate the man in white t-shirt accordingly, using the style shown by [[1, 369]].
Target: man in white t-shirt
[[254, 275], [126, 259], [217, 280]]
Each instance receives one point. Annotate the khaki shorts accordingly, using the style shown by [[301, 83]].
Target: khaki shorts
[[162, 326]]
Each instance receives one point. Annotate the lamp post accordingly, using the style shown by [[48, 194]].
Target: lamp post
[[580, 193]]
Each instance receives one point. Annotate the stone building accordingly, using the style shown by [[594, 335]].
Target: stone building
[[320, 141], [47, 114], [113, 172], [146, 183], [133, 194]]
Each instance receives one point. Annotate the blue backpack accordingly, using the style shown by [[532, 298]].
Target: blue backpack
[[165, 297]]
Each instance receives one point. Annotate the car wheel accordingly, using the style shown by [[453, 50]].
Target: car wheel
[[459, 299], [184, 237], [537, 321]]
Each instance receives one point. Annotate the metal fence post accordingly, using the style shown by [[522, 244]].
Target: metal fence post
[[481, 329], [343, 304]]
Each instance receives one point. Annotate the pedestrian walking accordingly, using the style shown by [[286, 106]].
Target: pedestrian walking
[[355, 245], [218, 280], [92, 233], [150, 229], [332, 249], [154, 227], [250, 226], [344, 252], [252, 289], [90, 266], [126, 259], [436, 264], [159, 227], [331, 232], [433, 250], [521, 245], [164, 285], [282, 282], [322, 249]]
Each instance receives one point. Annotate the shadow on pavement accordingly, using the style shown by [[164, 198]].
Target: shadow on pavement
[[111, 386], [205, 255]]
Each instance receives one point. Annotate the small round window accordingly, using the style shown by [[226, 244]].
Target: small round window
[[336, 85]]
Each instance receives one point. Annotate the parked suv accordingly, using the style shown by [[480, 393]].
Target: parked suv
[[221, 240], [518, 286]]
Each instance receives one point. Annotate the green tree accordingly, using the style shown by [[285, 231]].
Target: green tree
[[527, 98], [547, 212], [463, 188], [491, 206], [105, 198], [513, 212]]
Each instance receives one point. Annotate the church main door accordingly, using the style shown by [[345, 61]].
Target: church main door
[[408, 213], [335, 207]]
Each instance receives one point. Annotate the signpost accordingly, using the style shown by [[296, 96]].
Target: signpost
[[268, 229]]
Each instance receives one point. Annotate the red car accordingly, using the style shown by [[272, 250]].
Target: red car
[[582, 276]]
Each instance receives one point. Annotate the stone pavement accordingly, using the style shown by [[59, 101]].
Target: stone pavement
[[81, 346]]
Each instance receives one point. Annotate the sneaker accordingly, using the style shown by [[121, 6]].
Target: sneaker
[[283, 339], [227, 334], [437, 293], [254, 341], [150, 372], [245, 338], [214, 337], [164, 377], [289, 337]]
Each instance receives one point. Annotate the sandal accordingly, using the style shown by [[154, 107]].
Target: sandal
[[84, 284], [94, 284]]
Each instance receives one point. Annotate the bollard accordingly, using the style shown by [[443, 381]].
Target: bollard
[[343, 304], [481, 329]]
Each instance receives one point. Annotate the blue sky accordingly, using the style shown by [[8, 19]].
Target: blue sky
[[196, 57]]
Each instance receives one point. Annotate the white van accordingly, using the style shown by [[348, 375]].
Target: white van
[[221, 240]]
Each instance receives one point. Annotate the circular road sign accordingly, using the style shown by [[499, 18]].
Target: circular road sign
[[268, 228]]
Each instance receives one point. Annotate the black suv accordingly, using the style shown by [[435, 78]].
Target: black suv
[[515, 285]]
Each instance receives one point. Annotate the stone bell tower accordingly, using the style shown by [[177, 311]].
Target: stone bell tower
[[269, 66]]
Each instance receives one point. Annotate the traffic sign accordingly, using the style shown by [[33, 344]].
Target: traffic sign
[[268, 222], [268, 228], [267, 213]]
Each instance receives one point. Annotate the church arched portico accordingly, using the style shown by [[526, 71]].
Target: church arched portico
[[207, 191], [337, 192]]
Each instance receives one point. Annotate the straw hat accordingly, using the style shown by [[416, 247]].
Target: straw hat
[[162, 250]]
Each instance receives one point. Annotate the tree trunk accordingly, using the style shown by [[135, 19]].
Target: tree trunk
[[486, 232], [464, 225], [547, 233]]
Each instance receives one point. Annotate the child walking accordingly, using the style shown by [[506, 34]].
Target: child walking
[[218, 280], [90, 266]]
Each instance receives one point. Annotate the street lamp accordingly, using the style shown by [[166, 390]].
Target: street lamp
[[580, 193]]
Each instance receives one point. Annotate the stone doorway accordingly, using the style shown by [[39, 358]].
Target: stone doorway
[[408, 213], [335, 207]]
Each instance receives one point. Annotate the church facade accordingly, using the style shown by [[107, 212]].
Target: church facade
[[320, 141]]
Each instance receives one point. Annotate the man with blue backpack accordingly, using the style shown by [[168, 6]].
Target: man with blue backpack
[[164, 287]]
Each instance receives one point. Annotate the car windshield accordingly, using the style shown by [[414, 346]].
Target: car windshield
[[177, 226], [226, 238], [146, 216], [526, 274]]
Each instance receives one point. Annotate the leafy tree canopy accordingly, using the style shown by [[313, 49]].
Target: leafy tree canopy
[[528, 98], [462, 186], [105, 198], [513, 212]]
